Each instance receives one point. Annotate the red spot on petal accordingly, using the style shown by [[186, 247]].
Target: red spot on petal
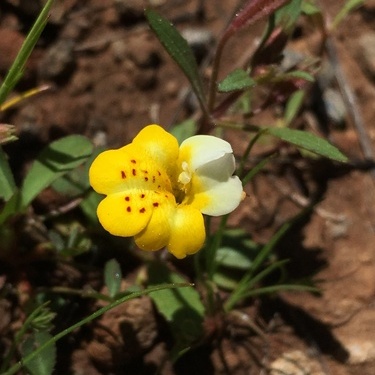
[[127, 199], [123, 174], [129, 209], [155, 204], [153, 178], [133, 161], [143, 195], [146, 178], [142, 210], [159, 173], [134, 172]]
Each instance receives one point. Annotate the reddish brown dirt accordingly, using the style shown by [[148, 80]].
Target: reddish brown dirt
[[110, 78]]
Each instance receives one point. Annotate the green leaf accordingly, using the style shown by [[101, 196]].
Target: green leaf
[[112, 277], [184, 130], [179, 50], [287, 16], [7, 184], [308, 142], [237, 80], [237, 250], [45, 361], [73, 184], [345, 10], [57, 159], [225, 281], [90, 204], [300, 74], [29, 358], [10, 208], [293, 106], [234, 258], [181, 308], [309, 8]]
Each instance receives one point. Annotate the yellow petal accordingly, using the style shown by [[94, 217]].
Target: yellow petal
[[187, 232], [157, 233], [125, 214], [127, 168], [107, 172], [159, 145]]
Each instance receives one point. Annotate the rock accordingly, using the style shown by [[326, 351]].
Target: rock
[[131, 11], [10, 43], [335, 107], [58, 61], [145, 79], [366, 52], [200, 40], [123, 334], [143, 52], [31, 8], [360, 351], [295, 363]]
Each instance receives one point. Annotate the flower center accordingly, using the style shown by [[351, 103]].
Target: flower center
[[184, 180], [185, 176]]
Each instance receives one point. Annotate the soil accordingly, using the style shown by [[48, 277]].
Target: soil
[[108, 77]]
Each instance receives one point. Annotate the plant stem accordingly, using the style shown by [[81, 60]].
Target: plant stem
[[88, 319]]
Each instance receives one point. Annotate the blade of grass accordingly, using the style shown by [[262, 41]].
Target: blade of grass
[[15, 368], [16, 70], [281, 288]]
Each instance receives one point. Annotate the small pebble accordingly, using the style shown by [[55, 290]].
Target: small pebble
[[366, 52], [335, 107], [200, 40], [58, 60]]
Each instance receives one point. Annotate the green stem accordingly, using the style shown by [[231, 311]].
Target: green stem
[[215, 71], [20, 334], [248, 150], [88, 319], [211, 253], [16, 70]]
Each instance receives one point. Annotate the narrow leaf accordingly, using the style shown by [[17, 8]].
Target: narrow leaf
[[57, 159], [179, 50], [7, 184], [309, 8], [184, 130], [345, 10], [293, 106], [299, 74], [237, 80], [182, 308], [287, 16], [10, 208], [309, 142], [112, 277], [90, 204], [44, 362], [29, 358]]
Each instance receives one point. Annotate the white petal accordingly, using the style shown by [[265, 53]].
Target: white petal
[[219, 170], [202, 149], [217, 199]]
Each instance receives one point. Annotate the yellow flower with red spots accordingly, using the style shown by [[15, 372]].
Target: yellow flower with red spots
[[157, 191]]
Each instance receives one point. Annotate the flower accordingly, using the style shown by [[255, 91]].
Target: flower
[[157, 191]]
